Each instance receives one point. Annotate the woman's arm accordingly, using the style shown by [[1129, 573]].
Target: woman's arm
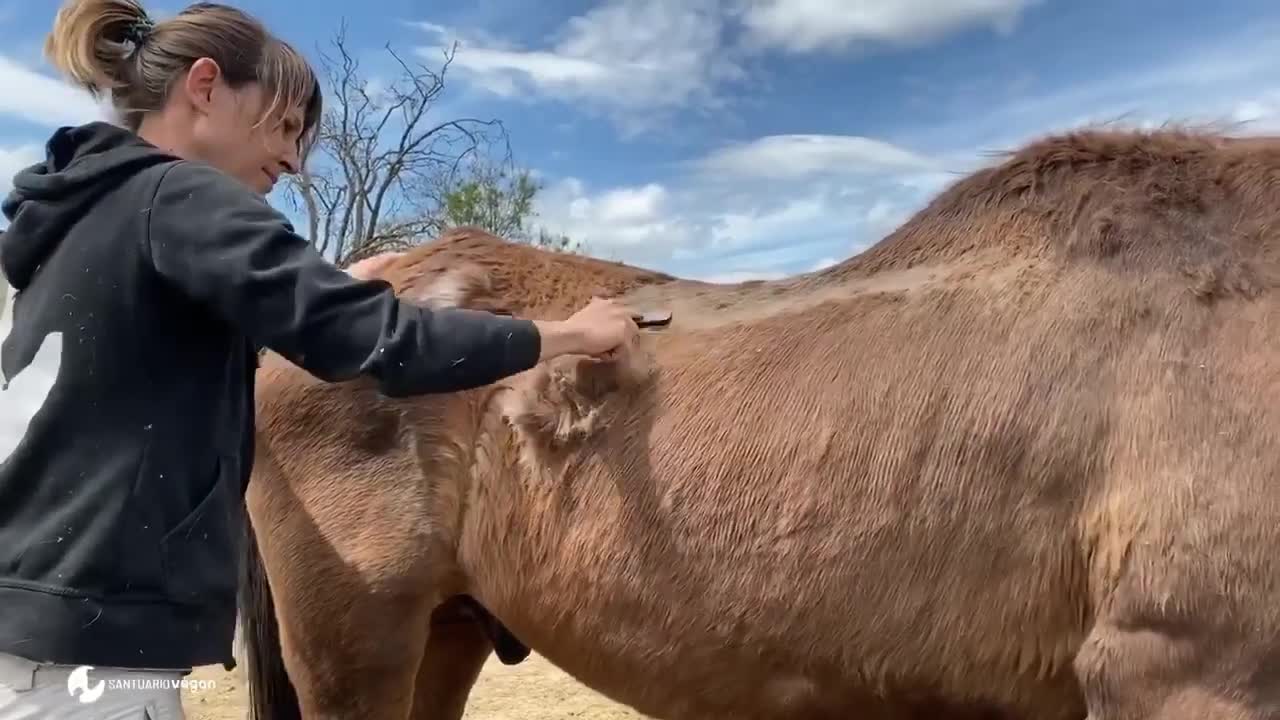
[[230, 250]]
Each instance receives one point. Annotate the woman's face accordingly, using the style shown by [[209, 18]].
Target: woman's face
[[231, 134]]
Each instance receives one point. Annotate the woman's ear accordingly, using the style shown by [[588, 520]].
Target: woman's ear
[[200, 83]]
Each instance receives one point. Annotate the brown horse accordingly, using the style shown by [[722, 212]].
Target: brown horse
[[1017, 460]]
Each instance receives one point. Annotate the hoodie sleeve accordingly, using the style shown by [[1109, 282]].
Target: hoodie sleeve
[[230, 250]]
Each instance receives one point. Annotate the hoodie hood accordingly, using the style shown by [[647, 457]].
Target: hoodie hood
[[81, 164]]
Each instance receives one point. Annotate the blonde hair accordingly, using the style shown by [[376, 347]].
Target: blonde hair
[[113, 46]]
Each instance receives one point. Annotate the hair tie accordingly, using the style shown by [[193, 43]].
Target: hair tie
[[138, 31]]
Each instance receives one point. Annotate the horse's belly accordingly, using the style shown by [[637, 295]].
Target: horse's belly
[[890, 620]]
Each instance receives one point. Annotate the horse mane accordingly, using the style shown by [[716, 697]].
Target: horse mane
[[1169, 200]]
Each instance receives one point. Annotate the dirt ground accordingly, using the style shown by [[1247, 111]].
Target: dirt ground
[[532, 690]]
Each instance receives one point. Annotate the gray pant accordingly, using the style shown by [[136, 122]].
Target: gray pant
[[38, 691]]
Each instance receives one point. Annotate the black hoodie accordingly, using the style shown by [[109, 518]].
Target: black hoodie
[[120, 507]]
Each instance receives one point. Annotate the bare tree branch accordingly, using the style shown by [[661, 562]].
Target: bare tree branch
[[382, 163]]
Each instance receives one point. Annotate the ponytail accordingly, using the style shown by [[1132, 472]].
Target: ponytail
[[94, 42]]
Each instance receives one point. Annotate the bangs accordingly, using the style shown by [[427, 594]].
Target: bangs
[[288, 78]]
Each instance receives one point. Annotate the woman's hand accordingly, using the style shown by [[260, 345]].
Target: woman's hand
[[597, 330]]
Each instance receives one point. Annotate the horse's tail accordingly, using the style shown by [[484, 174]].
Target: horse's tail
[[271, 694]]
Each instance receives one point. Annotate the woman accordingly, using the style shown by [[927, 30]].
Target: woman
[[149, 253]]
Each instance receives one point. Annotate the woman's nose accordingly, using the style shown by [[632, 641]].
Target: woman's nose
[[289, 161]]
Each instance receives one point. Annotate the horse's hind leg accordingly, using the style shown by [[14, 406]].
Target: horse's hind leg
[[351, 652], [354, 660], [455, 654], [348, 572]]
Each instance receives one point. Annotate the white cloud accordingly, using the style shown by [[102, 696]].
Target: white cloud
[[631, 204], [43, 100], [635, 59], [787, 157], [753, 209], [633, 222], [808, 25], [1260, 114], [498, 69], [638, 60], [1230, 80], [737, 276], [736, 229], [26, 392], [697, 229], [14, 159]]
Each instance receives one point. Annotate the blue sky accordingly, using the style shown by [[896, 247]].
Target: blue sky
[[728, 139]]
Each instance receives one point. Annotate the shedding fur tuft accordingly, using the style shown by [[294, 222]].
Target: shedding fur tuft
[[570, 400], [465, 286]]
